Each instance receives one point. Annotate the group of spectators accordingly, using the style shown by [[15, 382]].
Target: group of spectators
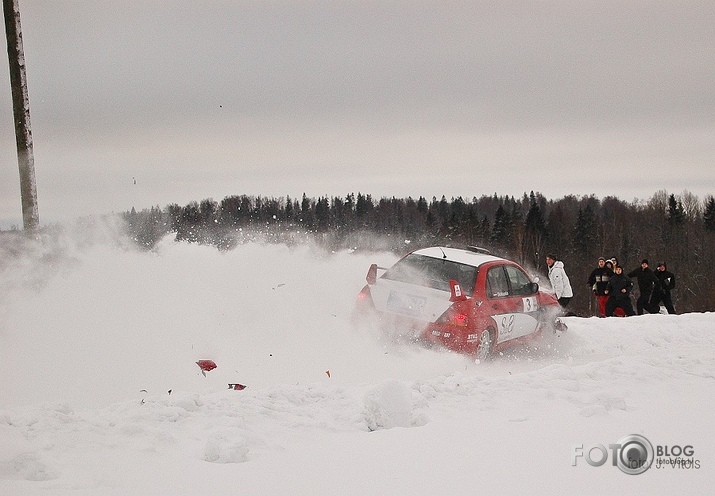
[[612, 287]]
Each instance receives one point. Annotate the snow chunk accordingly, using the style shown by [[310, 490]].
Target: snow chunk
[[18, 459], [388, 405], [222, 448]]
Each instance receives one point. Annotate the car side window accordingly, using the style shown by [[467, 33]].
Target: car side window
[[518, 281], [497, 283]]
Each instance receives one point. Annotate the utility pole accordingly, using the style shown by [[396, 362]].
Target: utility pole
[[21, 111]]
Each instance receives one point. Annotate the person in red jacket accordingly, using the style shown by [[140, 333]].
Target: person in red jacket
[[597, 281]]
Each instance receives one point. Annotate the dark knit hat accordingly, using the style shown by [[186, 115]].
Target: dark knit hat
[[644, 261]]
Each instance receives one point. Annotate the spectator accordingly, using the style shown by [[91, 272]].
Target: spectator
[[618, 290], [559, 280], [667, 283], [647, 282], [597, 281], [611, 263]]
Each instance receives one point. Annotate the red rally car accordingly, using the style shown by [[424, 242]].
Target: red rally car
[[464, 299]]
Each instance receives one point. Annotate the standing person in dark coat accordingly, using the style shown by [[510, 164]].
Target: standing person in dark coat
[[597, 281], [647, 282], [618, 290], [667, 283]]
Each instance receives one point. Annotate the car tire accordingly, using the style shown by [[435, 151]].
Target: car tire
[[486, 345]]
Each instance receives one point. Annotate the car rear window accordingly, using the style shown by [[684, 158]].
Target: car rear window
[[433, 273]]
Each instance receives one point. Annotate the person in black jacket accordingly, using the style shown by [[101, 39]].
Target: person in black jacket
[[647, 282], [597, 281], [618, 290], [667, 283]]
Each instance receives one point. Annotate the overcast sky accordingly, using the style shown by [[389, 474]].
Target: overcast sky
[[207, 98]]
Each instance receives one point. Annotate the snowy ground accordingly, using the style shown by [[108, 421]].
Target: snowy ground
[[100, 393]]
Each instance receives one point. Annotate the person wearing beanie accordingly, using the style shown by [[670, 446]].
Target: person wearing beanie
[[667, 283], [618, 290], [597, 281], [559, 280], [647, 283]]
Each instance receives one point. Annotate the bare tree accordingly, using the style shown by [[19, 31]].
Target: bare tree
[[691, 206]]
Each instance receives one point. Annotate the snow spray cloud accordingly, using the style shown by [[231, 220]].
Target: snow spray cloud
[[30, 260]]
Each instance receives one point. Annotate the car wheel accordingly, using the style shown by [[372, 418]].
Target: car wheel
[[486, 344]]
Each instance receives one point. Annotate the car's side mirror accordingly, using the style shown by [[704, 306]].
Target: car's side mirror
[[533, 287]]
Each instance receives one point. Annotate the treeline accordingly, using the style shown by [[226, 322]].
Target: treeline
[[677, 229]]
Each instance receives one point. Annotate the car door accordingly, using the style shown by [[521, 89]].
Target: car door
[[513, 312], [520, 289]]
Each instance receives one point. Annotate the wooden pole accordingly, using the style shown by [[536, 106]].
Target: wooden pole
[[21, 110]]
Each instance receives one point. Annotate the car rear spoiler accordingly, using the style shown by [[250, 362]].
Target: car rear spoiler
[[371, 277], [478, 249], [456, 291]]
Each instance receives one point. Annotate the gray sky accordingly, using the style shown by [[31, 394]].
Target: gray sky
[[207, 98]]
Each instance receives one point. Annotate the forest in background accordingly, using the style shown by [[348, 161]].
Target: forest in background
[[677, 229]]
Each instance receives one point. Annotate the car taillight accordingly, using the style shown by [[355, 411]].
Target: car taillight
[[364, 296], [454, 317], [459, 319]]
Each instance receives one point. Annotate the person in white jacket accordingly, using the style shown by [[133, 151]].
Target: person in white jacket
[[559, 280]]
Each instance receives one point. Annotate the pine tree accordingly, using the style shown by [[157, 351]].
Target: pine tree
[[363, 208], [422, 206], [585, 230], [676, 213], [322, 214], [306, 211], [709, 214], [289, 209], [534, 232], [501, 231]]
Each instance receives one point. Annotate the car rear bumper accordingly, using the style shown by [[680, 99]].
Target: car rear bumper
[[454, 338]]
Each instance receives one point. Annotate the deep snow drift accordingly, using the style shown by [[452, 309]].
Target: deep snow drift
[[101, 394]]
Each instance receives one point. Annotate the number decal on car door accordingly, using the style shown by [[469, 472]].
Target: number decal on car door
[[530, 304]]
